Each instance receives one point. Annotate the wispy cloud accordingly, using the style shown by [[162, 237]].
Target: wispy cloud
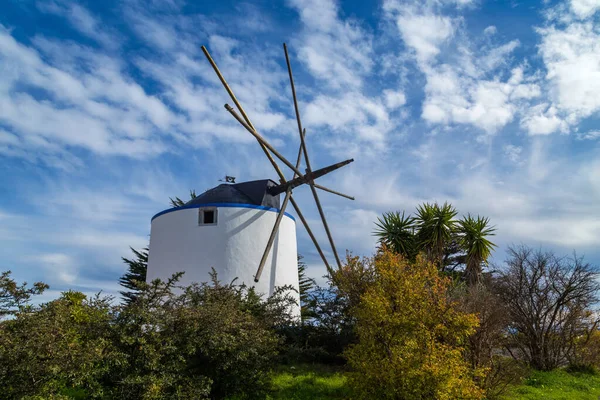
[[100, 125]]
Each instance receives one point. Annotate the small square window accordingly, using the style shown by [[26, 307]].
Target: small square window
[[207, 216]]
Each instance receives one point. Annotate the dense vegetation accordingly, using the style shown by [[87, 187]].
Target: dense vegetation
[[423, 318]]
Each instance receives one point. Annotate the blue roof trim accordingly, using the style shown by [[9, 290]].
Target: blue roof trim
[[223, 205]]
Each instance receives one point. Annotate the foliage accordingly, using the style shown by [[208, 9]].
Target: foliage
[[435, 227], [218, 335], [445, 241], [411, 337], [474, 233], [177, 202], [211, 340], [323, 337], [586, 354], [305, 285], [488, 338], [135, 275], [56, 347], [13, 297], [397, 232], [327, 327], [548, 301]]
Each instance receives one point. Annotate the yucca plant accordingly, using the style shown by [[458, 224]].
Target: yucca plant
[[396, 231], [474, 233], [436, 227]]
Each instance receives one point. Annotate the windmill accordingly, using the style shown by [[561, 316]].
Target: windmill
[[234, 247]]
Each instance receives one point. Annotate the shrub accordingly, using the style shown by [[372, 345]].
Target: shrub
[[202, 341], [586, 354], [548, 299], [211, 341], [483, 346], [411, 338], [328, 327], [49, 350]]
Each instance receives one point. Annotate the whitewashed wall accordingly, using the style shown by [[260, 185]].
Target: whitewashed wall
[[234, 247]]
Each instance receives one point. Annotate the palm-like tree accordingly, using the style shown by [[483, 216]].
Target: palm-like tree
[[474, 233], [397, 232], [436, 226]]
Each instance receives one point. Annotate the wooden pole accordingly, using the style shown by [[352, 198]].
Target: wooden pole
[[308, 168], [239, 106], [262, 140], [265, 255], [309, 177], [323, 188], [269, 156], [288, 194]]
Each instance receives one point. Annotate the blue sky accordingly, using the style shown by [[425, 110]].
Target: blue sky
[[109, 108]]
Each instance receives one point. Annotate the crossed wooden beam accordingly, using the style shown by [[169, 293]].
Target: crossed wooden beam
[[298, 177]]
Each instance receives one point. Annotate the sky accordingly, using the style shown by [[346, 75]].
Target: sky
[[109, 108]]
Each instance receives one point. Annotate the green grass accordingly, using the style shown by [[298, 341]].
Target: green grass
[[557, 385], [307, 381], [301, 382]]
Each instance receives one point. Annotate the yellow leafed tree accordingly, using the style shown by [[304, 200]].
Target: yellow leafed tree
[[411, 336]]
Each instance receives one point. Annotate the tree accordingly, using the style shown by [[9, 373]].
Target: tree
[[14, 296], [135, 275], [474, 233], [177, 202], [306, 286], [397, 232], [445, 241], [410, 336], [58, 348], [548, 300], [435, 225]]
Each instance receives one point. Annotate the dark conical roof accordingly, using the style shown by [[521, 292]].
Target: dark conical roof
[[253, 192]]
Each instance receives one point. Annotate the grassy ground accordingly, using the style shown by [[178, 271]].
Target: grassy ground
[[557, 385], [302, 382]]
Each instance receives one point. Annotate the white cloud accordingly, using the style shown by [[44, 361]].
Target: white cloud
[[394, 99], [424, 33], [490, 30], [572, 59], [589, 135], [61, 268], [101, 111], [463, 82], [488, 105], [543, 120], [513, 153], [82, 20], [365, 119], [335, 51], [585, 8]]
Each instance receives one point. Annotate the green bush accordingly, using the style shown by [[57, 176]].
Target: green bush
[[48, 350], [198, 342]]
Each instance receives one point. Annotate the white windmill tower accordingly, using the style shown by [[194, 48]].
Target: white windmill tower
[[241, 230]]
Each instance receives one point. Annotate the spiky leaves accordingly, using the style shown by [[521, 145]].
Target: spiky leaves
[[177, 202], [474, 233], [397, 232], [436, 226], [445, 241]]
